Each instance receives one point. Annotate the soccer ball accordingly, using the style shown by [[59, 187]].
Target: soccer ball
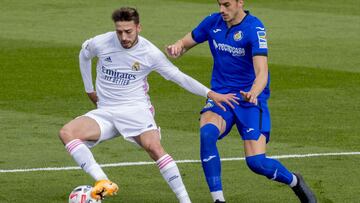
[[81, 194]]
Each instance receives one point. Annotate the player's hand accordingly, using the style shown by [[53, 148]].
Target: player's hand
[[93, 97], [229, 99], [249, 97], [175, 50]]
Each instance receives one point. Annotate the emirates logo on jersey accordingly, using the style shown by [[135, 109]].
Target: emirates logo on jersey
[[136, 66]]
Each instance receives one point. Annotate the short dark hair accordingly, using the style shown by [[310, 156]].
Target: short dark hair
[[126, 14]]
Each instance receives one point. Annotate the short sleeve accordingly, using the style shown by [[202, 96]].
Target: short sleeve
[[201, 32], [258, 39]]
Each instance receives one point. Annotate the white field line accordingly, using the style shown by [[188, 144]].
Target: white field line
[[121, 164]]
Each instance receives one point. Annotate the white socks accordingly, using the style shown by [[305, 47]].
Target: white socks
[[168, 168], [218, 195], [294, 181], [171, 174], [85, 159]]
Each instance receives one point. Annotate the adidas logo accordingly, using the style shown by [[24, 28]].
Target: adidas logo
[[173, 178], [108, 59]]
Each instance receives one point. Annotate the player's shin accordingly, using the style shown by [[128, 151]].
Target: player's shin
[[210, 160], [171, 174], [270, 168], [85, 159]]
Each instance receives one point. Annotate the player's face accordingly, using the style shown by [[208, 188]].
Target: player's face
[[127, 32], [230, 9]]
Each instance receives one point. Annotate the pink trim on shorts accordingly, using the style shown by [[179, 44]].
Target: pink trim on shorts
[[146, 89], [152, 110]]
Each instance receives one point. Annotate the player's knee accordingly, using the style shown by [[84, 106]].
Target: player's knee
[[257, 165], [66, 135], [63, 133], [155, 150], [209, 134]]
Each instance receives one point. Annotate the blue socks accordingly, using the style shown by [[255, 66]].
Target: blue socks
[[209, 155], [210, 160], [270, 168]]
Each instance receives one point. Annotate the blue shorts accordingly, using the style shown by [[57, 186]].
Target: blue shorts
[[251, 120]]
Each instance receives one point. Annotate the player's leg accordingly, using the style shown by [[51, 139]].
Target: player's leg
[[73, 135], [211, 126], [214, 125], [274, 170], [258, 162], [150, 141], [254, 126], [137, 124], [76, 135]]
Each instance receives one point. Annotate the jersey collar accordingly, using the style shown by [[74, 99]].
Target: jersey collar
[[247, 13]]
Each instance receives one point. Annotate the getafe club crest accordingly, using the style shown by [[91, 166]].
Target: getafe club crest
[[238, 36], [136, 66]]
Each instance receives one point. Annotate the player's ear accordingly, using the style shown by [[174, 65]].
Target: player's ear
[[138, 27]]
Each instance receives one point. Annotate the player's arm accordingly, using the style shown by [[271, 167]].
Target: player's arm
[[181, 46], [85, 69], [197, 88], [198, 35], [261, 78], [170, 72]]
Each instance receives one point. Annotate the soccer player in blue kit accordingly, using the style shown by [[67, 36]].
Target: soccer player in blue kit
[[238, 44]]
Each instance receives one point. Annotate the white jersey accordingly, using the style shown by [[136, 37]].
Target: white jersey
[[121, 78]]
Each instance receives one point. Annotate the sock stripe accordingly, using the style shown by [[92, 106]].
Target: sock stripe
[[73, 145], [165, 162], [162, 158], [73, 148]]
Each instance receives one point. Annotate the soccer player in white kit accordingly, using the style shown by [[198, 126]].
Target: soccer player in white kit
[[123, 105]]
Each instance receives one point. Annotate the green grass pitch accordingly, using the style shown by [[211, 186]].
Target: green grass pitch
[[315, 82]]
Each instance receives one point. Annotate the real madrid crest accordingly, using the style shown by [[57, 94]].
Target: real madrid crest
[[136, 66], [238, 35]]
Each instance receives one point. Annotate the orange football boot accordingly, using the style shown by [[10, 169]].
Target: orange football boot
[[104, 188]]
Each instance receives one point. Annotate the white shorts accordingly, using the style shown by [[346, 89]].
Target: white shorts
[[129, 122]]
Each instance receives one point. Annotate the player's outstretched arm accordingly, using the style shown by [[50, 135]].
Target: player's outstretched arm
[[197, 88], [181, 46]]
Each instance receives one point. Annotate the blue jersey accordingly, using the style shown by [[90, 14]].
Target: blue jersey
[[232, 50]]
